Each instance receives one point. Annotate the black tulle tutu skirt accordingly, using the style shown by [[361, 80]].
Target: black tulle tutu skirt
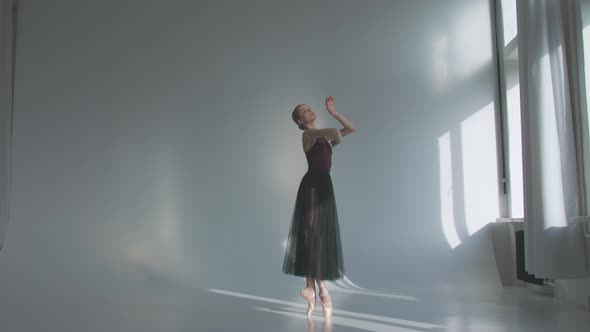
[[313, 246]]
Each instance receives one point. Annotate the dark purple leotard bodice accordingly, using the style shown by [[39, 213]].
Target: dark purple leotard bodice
[[319, 157]]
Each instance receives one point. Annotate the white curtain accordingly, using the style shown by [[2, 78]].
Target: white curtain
[[555, 136], [7, 35]]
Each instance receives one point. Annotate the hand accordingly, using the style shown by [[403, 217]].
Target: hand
[[330, 105]]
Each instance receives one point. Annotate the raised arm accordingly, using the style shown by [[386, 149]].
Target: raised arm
[[348, 127]]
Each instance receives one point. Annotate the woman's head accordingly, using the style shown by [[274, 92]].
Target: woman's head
[[303, 116]]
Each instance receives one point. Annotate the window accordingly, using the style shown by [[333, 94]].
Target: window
[[586, 37], [510, 95], [507, 35]]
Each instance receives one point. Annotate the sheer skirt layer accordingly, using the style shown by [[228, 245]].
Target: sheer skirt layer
[[313, 245]]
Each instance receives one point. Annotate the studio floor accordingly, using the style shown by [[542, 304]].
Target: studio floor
[[227, 309]]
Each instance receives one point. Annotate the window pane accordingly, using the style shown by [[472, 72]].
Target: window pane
[[586, 36], [512, 113], [515, 153], [509, 19]]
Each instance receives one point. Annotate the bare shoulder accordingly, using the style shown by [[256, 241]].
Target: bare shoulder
[[308, 139]]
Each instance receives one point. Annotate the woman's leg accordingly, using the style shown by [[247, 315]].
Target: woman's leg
[[310, 283], [325, 298], [308, 293]]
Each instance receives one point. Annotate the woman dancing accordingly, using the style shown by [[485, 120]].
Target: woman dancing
[[313, 246]]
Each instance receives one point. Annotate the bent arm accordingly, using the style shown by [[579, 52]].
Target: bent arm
[[348, 126], [310, 135]]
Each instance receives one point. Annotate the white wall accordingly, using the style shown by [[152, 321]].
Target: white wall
[[6, 57], [154, 145]]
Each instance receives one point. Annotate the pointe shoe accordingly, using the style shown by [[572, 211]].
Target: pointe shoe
[[309, 295], [326, 304]]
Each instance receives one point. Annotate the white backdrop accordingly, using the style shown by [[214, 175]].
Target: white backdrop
[[154, 145], [7, 25]]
